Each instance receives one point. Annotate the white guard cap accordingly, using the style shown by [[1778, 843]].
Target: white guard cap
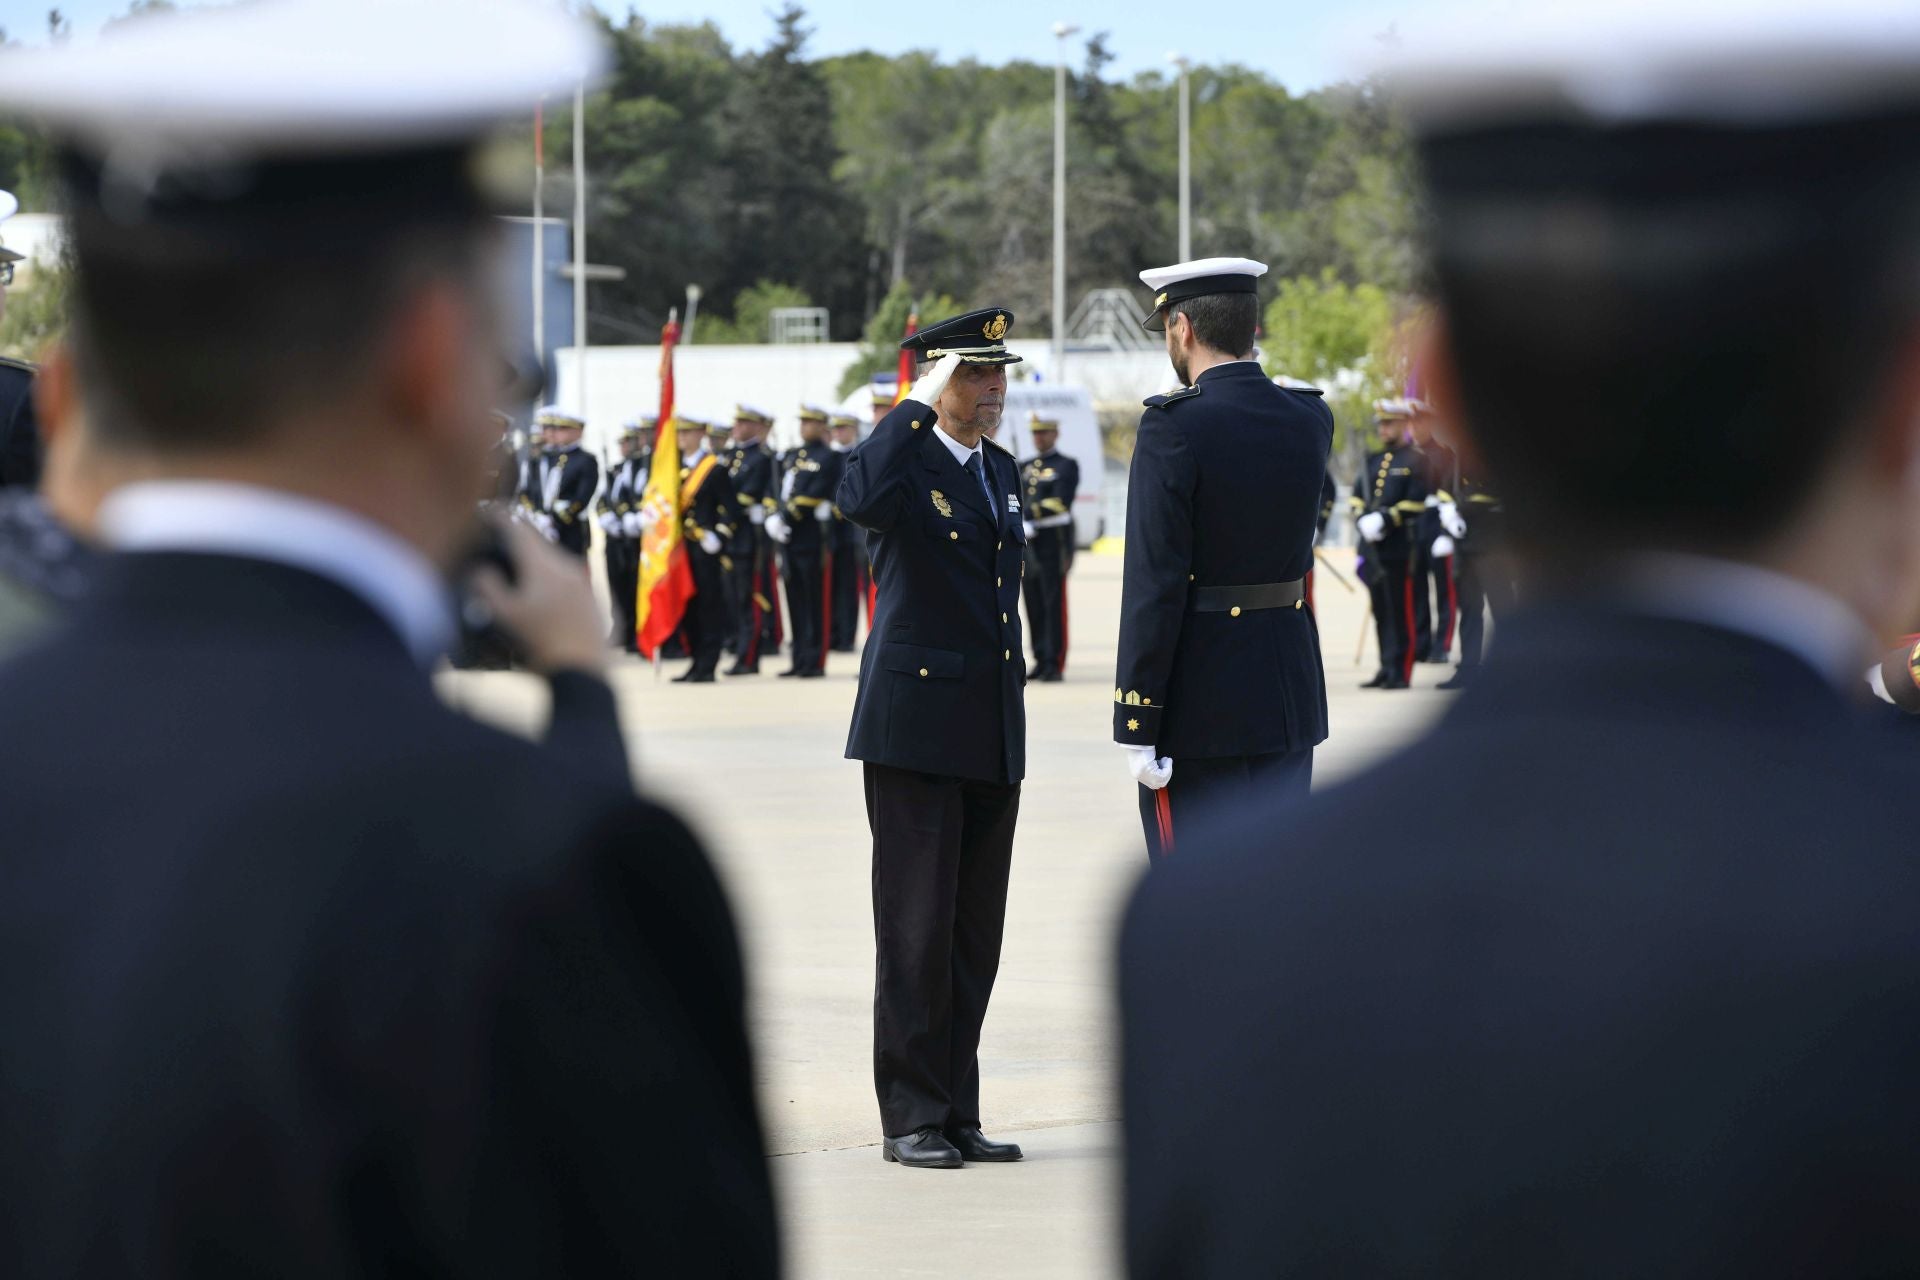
[[283, 78], [9, 205], [1618, 62], [1195, 279]]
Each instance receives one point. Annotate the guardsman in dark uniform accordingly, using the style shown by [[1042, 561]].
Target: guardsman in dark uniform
[[1219, 688], [1389, 497], [1472, 514], [750, 592], [1435, 596], [530, 488], [1050, 479], [940, 722], [572, 478], [802, 525], [19, 437], [851, 573], [707, 519], [619, 508]]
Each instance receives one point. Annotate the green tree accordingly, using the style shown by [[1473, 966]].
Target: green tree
[[752, 314], [880, 343], [1342, 338]]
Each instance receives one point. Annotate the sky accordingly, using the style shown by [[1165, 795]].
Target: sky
[[1301, 43]]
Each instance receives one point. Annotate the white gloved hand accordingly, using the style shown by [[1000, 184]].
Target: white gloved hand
[[630, 524], [710, 543], [778, 529], [1148, 771], [544, 523], [1372, 526], [1451, 519], [608, 521], [756, 514], [1442, 547], [648, 517], [823, 513], [1877, 681], [931, 383], [1026, 527]]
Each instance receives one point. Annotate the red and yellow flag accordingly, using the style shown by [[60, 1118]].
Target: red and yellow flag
[[666, 579], [906, 359]]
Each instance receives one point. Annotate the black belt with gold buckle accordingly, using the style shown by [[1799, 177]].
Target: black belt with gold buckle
[[1265, 595]]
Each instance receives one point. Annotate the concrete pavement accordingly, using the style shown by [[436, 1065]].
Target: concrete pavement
[[756, 764]]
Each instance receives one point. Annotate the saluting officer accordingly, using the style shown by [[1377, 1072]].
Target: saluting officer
[[940, 723], [1051, 479], [706, 523], [850, 578], [801, 527], [750, 590], [1389, 497], [571, 479], [19, 436], [1220, 689]]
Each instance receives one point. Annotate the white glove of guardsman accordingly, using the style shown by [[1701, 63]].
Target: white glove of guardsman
[[648, 518], [823, 513], [778, 529], [630, 524], [1442, 547], [1452, 520], [609, 521], [756, 514], [1027, 527], [710, 543], [544, 523], [1372, 526], [931, 383], [1150, 772]]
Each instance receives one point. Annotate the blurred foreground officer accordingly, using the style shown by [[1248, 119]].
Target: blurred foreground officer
[[1220, 690], [19, 441], [1389, 502], [1637, 999], [940, 721], [1051, 479], [570, 479], [402, 994]]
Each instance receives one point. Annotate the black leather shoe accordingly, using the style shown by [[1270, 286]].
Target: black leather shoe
[[742, 669], [922, 1149], [1051, 677], [790, 673], [1378, 682], [975, 1145], [814, 673]]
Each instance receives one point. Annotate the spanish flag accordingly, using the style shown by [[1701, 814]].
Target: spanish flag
[[906, 359], [666, 580]]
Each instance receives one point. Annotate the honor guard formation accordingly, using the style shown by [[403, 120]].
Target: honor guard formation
[[311, 973]]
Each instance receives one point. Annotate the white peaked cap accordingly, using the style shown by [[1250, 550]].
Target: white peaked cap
[[293, 77], [9, 205], [1618, 62], [1161, 278]]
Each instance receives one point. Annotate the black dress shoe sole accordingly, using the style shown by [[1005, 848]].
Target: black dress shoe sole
[[1015, 1158], [886, 1153]]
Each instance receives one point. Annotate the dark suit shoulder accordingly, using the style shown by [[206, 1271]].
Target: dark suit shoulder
[[1300, 389], [18, 366], [1170, 397], [997, 445]]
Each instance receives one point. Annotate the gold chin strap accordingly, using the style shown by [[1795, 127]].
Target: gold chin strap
[[966, 352]]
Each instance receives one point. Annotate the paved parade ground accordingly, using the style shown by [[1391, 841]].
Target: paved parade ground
[[756, 764]]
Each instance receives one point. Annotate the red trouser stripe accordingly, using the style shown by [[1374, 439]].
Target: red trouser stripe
[[1163, 817], [753, 643], [826, 608], [1453, 608], [1061, 667], [1407, 671]]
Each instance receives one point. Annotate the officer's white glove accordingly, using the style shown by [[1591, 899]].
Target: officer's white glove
[[778, 529], [1454, 523], [1877, 681], [648, 517], [1026, 527], [927, 390], [630, 524], [710, 543], [544, 523], [756, 514], [1442, 547], [1372, 526], [1148, 771], [823, 513], [608, 521]]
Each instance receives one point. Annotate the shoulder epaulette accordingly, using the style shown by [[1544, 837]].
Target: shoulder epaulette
[[8, 362], [1156, 402], [1304, 389], [996, 444]]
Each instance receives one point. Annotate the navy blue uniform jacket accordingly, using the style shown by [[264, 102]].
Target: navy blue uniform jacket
[[1224, 492], [941, 678]]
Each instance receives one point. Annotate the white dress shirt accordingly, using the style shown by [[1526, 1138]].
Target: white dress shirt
[[222, 518], [1782, 611]]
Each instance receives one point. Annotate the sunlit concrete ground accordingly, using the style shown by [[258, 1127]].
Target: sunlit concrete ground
[[756, 764]]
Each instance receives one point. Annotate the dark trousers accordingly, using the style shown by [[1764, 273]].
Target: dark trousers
[[747, 602], [1392, 589], [573, 536], [623, 588], [807, 605], [1199, 789], [1044, 584], [849, 584], [1485, 586], [1433, 608], [705, 624], [942, 850]]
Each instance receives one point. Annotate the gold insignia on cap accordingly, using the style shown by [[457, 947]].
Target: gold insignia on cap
[[941, 504], [996, 328], [1160, 301]]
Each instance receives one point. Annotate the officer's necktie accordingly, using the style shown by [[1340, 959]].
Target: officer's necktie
[[979, 473]]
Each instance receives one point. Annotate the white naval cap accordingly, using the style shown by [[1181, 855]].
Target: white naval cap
[[1393, 408], [1620, 62], [282, 78], [9, 205], [552, 415], [1195, 279]]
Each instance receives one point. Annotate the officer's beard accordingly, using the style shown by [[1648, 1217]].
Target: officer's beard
[[1180, 364]]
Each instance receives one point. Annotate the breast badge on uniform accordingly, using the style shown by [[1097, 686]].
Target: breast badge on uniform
[[941, 504]]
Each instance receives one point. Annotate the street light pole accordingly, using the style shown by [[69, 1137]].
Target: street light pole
[[1186, 169], [580, 247], [1061, 30]]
